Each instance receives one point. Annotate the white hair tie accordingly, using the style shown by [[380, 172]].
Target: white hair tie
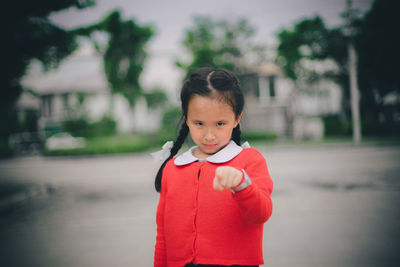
[[164, 153]]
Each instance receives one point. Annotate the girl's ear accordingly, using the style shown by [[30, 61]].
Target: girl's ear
[[238, 119]]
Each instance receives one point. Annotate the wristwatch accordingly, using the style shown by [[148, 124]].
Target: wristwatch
[[246, 182]]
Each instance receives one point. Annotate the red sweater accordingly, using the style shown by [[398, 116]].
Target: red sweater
[[198, 224]]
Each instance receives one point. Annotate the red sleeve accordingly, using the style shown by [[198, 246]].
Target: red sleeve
[[160, 256], [255, 200]]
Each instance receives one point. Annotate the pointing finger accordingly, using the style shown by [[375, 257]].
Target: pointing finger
[[217, 185]]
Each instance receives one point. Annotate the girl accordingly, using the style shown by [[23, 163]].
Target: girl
[[215, 197]]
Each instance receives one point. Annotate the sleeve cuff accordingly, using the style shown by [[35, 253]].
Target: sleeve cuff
[[246, 182]]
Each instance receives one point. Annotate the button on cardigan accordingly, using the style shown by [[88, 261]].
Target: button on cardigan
[[198, 224]]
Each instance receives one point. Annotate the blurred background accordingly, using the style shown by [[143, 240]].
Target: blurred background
[[90, 87]]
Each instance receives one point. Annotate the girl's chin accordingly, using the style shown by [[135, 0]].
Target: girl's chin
[[210, 150]]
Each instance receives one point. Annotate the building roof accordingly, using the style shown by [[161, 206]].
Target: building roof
[[268, 70], [28, 101], [80, 72]]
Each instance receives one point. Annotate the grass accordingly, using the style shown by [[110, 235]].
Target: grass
[[107, 145], [140, 143]]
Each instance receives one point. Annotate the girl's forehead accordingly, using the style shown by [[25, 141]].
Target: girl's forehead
[[209, 101], [209, 106]]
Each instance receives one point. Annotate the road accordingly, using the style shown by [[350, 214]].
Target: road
[[334, 205]]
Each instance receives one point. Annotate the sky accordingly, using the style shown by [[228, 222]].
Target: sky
[[171, 17]]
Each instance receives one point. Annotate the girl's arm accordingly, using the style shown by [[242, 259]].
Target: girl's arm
[[254, 200]]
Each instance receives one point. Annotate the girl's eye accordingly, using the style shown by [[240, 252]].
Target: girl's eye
[[199, 123], [220, 124]]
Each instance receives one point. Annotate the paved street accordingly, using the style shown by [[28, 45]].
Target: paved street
[[334, 205]]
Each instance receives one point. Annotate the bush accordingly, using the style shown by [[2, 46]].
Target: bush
[[384, 124], [106, 145], [82, 127], [155, 98], [169, 125], [5, 150], [259, 136], [76, 127], [105, 127], [334, 126]]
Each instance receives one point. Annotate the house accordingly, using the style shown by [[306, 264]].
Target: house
[[276, 104], [78, 87]]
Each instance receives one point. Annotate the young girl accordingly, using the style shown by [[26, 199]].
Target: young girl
[[215, 197]]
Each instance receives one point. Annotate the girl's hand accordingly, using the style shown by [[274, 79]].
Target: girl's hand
[[226, 178]]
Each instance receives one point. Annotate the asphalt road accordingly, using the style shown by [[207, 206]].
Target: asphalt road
[[335, 205]]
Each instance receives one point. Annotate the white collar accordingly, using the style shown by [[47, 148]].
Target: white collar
[[224, 155]]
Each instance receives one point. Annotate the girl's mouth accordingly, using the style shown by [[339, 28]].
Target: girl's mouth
[[210, 145]]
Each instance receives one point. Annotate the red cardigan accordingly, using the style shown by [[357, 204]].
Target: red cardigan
[[198, 224]]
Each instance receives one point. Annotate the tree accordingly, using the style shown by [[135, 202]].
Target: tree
[[309, 52], [124, 55], [27, 33], [377, 43], [156, 97], [378, 55], [219, 44], [308, 40]]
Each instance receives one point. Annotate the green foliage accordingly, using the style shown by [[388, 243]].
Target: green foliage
[[82, 127], [378, 47], [105, 127], [27, 33], [155, 98], [9, 123], [5, 150], [171, 118], [308, 39], [218, 43], [76, 127], [81, 98], [335, 126], [116, 144], [373, 127], [125, 53], [169, 125], [259, 136], [29, 122], [377, 44]]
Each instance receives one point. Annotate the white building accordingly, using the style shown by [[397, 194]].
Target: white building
[[275, 103], [79, 87]]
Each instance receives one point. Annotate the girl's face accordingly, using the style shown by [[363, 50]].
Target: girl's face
[[210, 123]]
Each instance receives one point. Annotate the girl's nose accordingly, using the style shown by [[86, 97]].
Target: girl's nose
[[209, 135]]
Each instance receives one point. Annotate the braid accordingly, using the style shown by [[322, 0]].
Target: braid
[[183, 133], [236, 135]]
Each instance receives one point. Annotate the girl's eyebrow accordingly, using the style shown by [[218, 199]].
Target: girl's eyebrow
[[216, 121]]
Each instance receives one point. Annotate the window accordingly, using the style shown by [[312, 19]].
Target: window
[[47, 105], [271, 86]]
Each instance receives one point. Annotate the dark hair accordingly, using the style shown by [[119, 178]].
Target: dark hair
[[211, 82]]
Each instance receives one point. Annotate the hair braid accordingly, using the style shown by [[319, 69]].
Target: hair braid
[[236, 135], [183, 133]]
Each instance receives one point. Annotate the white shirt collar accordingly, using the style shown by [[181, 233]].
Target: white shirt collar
[[224, 155]]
